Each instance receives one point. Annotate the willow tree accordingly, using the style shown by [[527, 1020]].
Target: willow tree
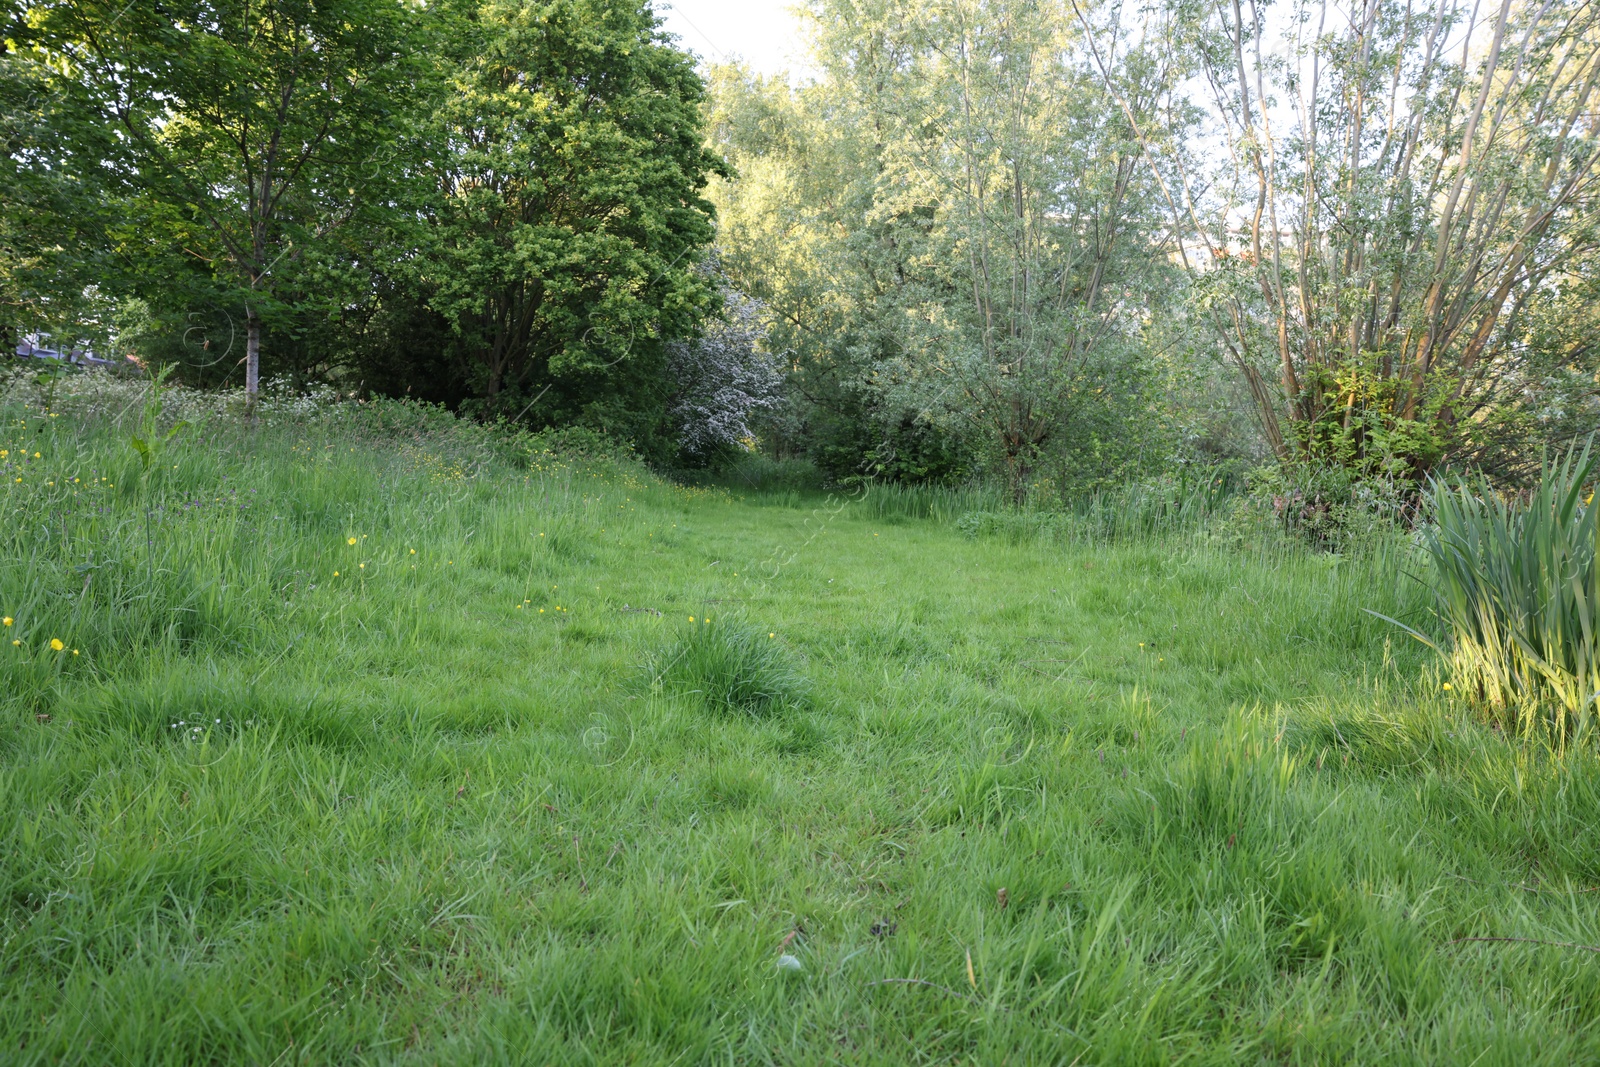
[[1402, 183], [975, 214]]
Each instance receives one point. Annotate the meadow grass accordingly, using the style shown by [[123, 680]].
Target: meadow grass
[[416, 799]]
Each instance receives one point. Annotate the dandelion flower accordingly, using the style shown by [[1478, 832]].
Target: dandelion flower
[[56, 644]]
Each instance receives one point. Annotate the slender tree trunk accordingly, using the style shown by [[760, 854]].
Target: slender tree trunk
[[252, 358]]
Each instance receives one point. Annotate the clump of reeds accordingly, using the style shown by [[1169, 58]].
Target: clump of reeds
[[1518, 590]]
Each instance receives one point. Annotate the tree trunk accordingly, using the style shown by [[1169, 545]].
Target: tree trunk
[[252, 358]]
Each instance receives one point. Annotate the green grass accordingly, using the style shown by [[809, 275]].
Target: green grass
[[434, 810]]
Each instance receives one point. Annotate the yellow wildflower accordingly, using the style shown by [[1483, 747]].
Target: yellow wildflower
[[9, 620], [350, 541], [56, 645]]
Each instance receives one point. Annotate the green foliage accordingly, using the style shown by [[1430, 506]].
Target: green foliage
[[240, 143], [494, 204], [566, 228], [729, 666], [955, 233], [150, 439], [1378, 291], [1518, 588]]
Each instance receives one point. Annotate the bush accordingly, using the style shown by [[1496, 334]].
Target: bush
[[731, 666], [1517, 587]]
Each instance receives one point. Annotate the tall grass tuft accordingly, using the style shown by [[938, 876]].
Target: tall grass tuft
[[1518, 588], [730, 666], [1132, 513]]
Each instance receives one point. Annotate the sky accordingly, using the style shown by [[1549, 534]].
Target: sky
[[761, 32]]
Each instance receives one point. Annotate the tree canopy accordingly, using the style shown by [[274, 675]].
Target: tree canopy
[[1053, 243]]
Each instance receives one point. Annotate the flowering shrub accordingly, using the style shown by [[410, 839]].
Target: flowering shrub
[[722, 379]]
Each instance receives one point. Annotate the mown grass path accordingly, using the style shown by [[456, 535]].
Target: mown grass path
[[1131, 804]]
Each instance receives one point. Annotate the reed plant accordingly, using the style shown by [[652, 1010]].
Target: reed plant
[[1517, 591]]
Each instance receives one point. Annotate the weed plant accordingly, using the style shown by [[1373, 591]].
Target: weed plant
[[1140, 802]]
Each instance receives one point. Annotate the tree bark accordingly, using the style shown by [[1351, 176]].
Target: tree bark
[[252, 358]]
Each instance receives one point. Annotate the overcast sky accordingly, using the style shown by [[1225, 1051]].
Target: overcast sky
[[761, 32]]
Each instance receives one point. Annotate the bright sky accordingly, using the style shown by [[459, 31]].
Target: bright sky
[[763, 33]]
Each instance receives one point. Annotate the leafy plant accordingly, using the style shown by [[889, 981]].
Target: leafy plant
[[732, 667], [1517, 587], [150, 444]]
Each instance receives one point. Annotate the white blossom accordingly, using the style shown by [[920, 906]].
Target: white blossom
[[722, 378]]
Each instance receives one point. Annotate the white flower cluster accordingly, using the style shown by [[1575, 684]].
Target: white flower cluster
[[723, 378], [114, 393]]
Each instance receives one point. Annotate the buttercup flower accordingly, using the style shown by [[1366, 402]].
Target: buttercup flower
[[56, 645], [9, 620], [351, 541]]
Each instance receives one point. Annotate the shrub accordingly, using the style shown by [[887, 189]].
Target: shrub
[[731, 666], [1516, 586]]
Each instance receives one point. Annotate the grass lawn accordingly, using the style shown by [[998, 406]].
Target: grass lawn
[[453, 793]]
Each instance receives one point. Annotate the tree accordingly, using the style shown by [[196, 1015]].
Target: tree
[[240, 135], [1404, 185], [567, 225], [969, 218]]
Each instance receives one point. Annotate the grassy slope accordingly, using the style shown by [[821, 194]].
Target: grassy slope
[[435, 826]]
